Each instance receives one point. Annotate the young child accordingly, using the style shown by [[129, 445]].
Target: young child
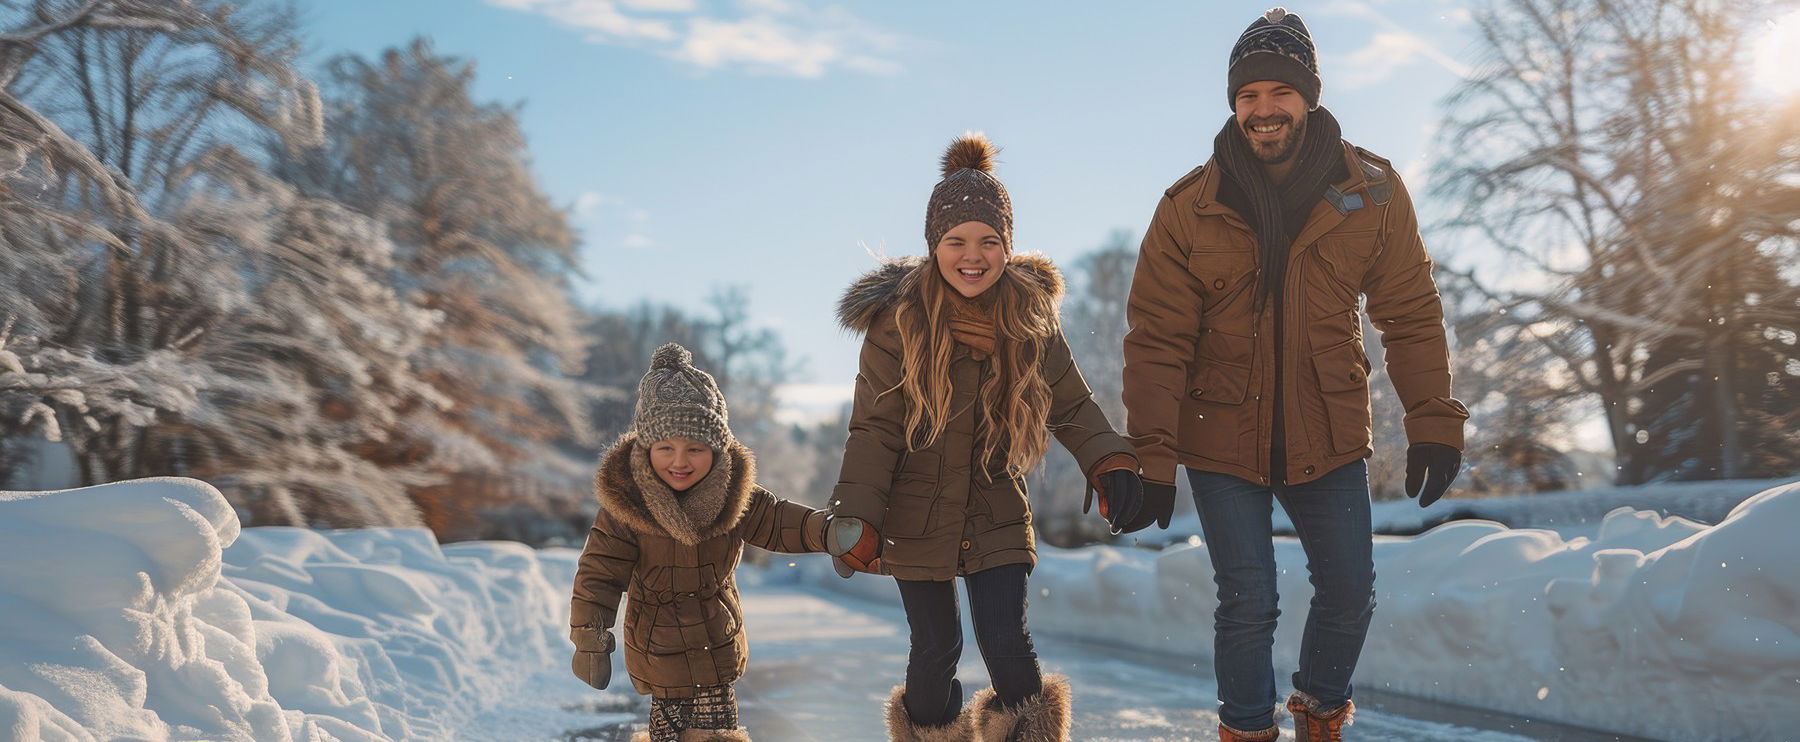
[[678, 501]]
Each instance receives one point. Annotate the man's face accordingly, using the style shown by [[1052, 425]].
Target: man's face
[[1273, 117]]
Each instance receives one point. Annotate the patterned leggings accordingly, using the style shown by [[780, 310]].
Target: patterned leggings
[[714, 707]]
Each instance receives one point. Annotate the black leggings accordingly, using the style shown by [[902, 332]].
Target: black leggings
[[997, 609]]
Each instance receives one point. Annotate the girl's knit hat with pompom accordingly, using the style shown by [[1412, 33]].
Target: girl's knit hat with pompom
[[969, 192], [676, 400]]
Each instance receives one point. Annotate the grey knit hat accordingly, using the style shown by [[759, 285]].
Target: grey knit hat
[[1276, 46], [676, 400], [969, 192]]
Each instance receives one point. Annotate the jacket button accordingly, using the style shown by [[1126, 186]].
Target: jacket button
[[1307, 471], [966, 544], [1219, 283], [1196, 393]]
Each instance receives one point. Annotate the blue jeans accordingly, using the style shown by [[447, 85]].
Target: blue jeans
[[1331, 517]]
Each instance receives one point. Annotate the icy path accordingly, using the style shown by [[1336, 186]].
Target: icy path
[[822, 664]]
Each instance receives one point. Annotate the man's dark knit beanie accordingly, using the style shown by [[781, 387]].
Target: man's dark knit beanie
[[1277, 47]]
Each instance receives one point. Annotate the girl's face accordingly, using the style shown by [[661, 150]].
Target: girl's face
[[971, 256], [680, 462]]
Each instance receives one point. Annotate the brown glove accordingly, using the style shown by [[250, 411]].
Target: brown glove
[[593, 655], [853, 545]]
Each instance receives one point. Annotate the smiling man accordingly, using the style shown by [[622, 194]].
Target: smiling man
[[1245, 366]]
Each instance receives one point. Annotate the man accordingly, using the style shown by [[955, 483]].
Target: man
[[1245, 365]]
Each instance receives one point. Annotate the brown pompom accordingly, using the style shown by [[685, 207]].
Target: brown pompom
[[972, 151]]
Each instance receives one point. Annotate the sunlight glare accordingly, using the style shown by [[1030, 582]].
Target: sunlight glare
[[1777, 55]]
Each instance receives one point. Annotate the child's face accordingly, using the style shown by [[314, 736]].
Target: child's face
[[970, 257], [680, 462]]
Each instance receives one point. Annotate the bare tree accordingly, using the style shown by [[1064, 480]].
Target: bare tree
[[1093, 318], [1608, 156]]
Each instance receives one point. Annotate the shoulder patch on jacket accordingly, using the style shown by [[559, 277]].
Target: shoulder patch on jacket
[[1191, 178], [1379, 172]]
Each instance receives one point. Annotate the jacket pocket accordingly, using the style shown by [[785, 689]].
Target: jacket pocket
[[913, 496], [1223, 273], [724, 619], [1214, 413], [1005, 501], [1333, 278], [1343, 374]]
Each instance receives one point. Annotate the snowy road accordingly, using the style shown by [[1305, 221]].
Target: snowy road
[[823, 663]]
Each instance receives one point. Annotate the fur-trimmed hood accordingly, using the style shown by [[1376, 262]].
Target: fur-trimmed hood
[[1032, 274], [631, 493]]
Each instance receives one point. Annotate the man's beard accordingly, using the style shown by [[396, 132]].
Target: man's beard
[[1275, 153]]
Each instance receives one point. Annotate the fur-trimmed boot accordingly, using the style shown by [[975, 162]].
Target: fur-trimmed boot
[[1227, 734], [1040, 718], [1313, 724], [901, 727], [739, 734]]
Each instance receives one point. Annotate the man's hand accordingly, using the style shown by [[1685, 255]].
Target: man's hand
[[1430, 468], [1158, 507], [1121, 497]]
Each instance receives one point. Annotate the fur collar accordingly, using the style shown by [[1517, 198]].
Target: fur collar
[[894, 281], [631, 493]]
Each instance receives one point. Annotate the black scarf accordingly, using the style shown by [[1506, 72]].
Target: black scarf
[[1278, 211]]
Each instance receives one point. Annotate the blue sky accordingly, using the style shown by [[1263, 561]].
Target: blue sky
[[776, 143]]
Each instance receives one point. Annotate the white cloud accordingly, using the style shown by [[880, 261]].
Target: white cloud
[[663, 6], [602, 20], [778, 37], [757, 43], [590, 201], [1392, 48], [603, 217]]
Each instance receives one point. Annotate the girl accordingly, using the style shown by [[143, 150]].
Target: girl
[[963, 369], [678, 501]]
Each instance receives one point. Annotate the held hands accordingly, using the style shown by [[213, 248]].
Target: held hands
[[1430, 468], [1121, 497], [1158, 507], [593, 655], [854, 546]]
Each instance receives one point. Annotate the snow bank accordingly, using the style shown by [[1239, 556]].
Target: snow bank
[[1658, 626], [1570, 513], [140, 610]]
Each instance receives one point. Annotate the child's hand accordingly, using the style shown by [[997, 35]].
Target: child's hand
[[854, 546], [593, 655]]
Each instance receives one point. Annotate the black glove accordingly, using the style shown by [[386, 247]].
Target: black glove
[[1430, 468], [1158, 507], [593, 655], [1121, 496]]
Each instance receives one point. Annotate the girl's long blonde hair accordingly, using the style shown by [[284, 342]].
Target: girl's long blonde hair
[[1013, 403]]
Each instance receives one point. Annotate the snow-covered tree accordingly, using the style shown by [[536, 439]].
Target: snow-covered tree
[[479, 243], [172, 309], [112, 114]]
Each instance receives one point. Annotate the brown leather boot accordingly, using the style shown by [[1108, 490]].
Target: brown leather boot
[[1227, 734], [1313, 724]]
